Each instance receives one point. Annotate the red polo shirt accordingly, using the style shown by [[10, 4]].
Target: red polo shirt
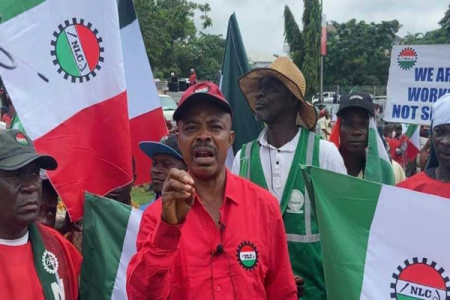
[[182, 262]]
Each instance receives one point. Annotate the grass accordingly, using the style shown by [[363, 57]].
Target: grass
[[140, 195]]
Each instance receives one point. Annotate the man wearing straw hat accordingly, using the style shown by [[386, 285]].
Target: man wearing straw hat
[[436, 178], [276, 95]]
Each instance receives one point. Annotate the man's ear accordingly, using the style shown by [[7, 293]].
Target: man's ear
[[232, 139]]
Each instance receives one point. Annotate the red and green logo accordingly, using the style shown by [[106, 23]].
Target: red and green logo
[[420, 280], [247, 255], [407, 59], [21, 139], [77, 50]]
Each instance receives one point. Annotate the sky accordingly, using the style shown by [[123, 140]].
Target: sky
[[261, 21]]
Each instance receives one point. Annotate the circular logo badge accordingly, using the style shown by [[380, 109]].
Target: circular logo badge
[[21, 139], [296, 202], [420, 280], [407, 59], [247, 255], [50, 262], [77, 50]]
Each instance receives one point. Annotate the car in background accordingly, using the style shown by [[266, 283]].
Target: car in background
[[168, 106], [327, 97]]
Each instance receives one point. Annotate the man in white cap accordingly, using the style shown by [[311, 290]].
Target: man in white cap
[[436, 178], [276, 95]]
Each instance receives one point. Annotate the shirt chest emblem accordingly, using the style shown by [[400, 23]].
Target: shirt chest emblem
[[247, 255], [296, 203]]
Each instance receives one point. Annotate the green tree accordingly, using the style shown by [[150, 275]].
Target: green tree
[[445, 22], [358, 53], [437, 36], [293, 37], [305, 46], [165, 24], [312, 20], [203, 52]]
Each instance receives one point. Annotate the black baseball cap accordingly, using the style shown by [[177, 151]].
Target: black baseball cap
[[17, 151], [357, 99], [168, 145]]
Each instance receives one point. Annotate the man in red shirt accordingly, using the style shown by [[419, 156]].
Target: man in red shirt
[[398, 145], [192, 78], [213, 235], [436, 178], [36, 262]]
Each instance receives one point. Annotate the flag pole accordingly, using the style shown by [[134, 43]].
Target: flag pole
[[321, 58]]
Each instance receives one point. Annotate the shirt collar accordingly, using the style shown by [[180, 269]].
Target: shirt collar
[[231, 190], [18, 242], [289, 147]]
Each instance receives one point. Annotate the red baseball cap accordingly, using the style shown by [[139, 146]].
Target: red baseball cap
[[202, 91]]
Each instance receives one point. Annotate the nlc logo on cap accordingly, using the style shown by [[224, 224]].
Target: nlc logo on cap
[[204, 89], [21, 139]]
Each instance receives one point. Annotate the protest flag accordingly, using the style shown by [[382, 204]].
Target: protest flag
[[110, 231], [69, 90], [144, 107], [378, 165], [378, 241], [413, 134], [235, 64]]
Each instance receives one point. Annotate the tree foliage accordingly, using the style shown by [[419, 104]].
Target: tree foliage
[[171, 38], [358, 53], [305, 46], [437, 36], [204, 52], [445, 22], [312, 23], [293, 37]]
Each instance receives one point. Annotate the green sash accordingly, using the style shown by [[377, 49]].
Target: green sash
[[49, 261], [300, 223]]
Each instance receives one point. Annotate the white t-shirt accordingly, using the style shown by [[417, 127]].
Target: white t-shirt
[[281, 161]]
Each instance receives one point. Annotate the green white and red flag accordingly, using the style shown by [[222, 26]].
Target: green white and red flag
[[413, 134], [144, 107], [69, 90], [379, 241]]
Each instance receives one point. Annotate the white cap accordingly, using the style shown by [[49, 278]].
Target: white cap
[[2, 125], [441, 111]]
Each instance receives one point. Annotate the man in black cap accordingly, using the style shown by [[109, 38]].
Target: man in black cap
[[165, 156], [359, 143], [213, 235], [36, 262]]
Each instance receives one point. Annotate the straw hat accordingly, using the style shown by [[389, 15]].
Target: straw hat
[[287, 72]]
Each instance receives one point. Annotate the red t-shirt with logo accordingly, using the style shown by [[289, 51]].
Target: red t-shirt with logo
[[18, 276]]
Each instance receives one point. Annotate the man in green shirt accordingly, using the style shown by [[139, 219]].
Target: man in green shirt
[[276, 95]]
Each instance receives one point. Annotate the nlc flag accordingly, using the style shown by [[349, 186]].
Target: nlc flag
[[380, 242], [76, 110], [144, 107]]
